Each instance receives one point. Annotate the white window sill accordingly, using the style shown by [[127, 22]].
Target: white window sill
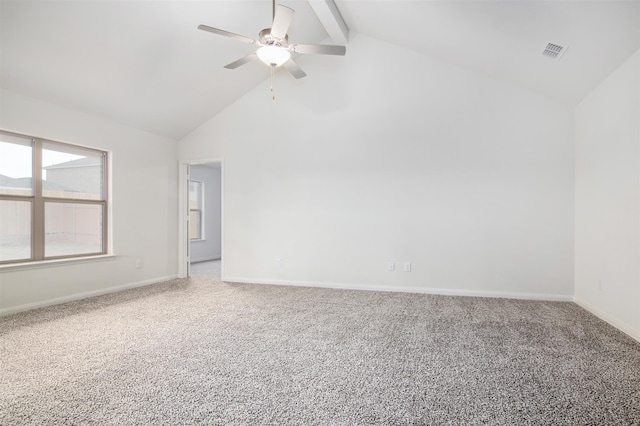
[[55, 262]]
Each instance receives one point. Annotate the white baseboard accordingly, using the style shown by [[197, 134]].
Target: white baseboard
[[625, 328], [205, 259], [85, 295], [439, 291], [631, 331]]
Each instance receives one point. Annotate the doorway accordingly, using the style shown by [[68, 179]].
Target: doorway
[[201, 219]]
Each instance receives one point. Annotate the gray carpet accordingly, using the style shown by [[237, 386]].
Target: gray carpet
[[203, 352], [210, 268]]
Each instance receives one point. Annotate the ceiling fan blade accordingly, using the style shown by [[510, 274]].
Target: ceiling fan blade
[[294, 69], [318, 49], [235, 64], [226, 34], [281, 21]]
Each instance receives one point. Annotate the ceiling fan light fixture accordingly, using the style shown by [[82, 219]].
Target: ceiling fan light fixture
[[273, 45], [273, 56]]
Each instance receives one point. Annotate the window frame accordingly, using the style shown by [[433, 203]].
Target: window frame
[[39, 201], [200, 210]]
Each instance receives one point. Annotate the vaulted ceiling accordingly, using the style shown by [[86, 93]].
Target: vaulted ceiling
[[144, 63]]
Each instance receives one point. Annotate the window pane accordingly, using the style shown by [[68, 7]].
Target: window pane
[[70, 172], [195, 210], [15, 165], [195, 194], [72, 228], [195, 225], [15, 230]]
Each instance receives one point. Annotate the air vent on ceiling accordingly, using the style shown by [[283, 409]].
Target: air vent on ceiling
[[554, 51]]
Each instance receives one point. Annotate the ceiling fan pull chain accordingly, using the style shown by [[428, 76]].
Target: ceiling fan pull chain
[[273, 95]]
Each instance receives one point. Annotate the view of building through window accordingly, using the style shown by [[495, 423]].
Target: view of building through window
[[63, 195]]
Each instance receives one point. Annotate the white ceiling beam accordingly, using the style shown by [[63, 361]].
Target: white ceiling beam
[[330, 18]]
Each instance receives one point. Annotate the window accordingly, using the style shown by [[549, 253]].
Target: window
[[196, 207], [53, 200]]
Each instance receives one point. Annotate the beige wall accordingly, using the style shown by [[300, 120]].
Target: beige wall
[[144, 206], [468, 178], [608, 199]]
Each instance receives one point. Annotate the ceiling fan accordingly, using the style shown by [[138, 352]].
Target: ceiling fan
[[274, 48]]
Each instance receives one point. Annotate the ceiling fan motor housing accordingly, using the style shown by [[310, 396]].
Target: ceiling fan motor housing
[[266, 39]]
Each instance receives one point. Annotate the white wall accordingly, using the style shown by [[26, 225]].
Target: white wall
[[608, 199], [144, 206], [388, 155], [209, 248]]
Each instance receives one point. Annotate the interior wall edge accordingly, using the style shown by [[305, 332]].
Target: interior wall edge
[[625, 328]]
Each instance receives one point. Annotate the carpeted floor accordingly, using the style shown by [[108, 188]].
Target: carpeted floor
[[200, 351], [212, 268]]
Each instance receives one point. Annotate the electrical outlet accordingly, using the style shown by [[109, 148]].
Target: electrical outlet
[[278, 262], [138, 263], [391, 266], [407, 267], [600, 285]]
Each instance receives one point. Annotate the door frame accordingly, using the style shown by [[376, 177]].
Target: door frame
[[184, 262]]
